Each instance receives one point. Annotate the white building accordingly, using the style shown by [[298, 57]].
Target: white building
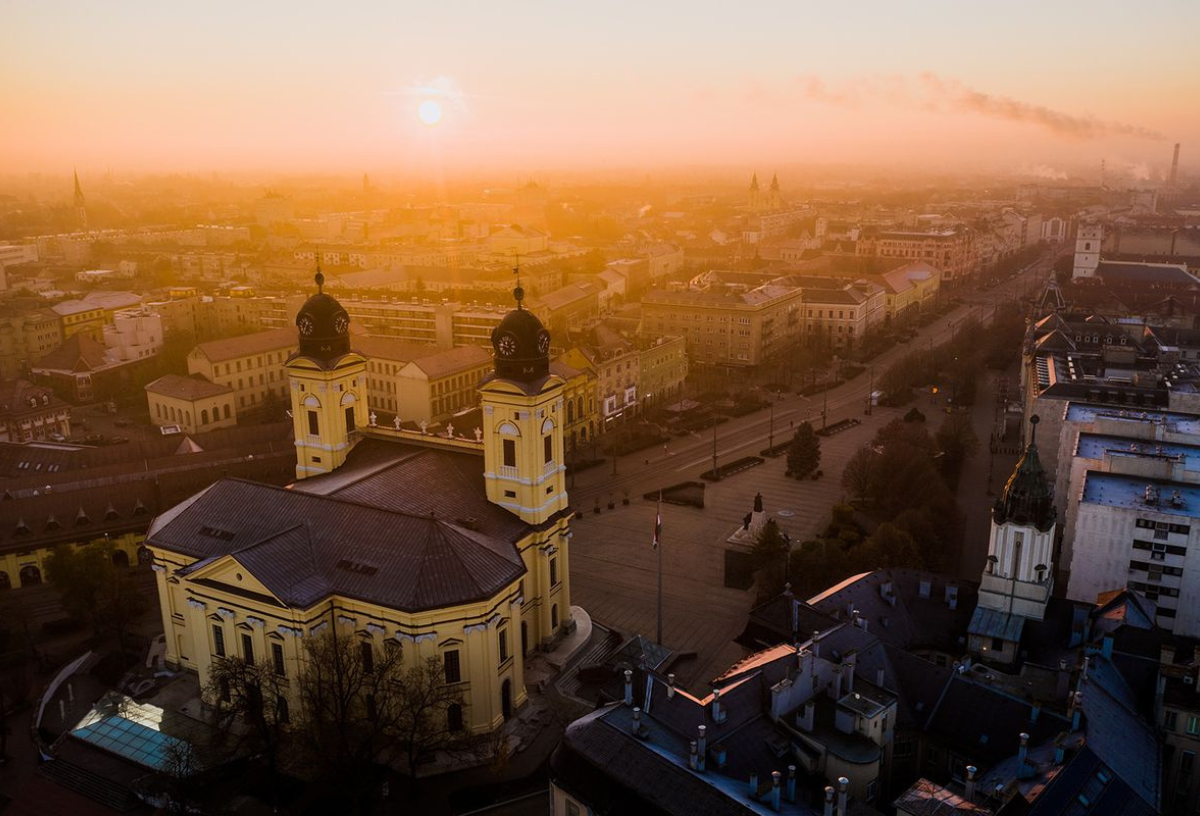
[[134, 335]]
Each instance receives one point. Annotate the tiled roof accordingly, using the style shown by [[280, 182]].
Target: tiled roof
[[452, 361], [304, 547], [77, 353], [186, 388], [924, 798], [16, 397], [390, 348], [234, 347]]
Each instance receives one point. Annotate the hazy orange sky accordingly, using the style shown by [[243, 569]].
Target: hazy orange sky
[[534, 86]]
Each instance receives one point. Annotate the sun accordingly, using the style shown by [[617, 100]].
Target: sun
[[429, 112]]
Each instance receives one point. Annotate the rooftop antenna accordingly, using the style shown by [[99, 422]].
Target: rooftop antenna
[[518, 292], [319, 277]]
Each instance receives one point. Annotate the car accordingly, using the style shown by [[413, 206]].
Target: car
[[121, 423], [57, 437]]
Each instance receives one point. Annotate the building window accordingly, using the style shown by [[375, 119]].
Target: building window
[[277, 659], [503, 637], [368, 656], [554, 616], [553, 572], [314, 427], [548, 446], [281, 710], [454, 718], [218, 640], [248, 650], [572, 808], [350, 419], [453, 672], [510, 453], [1193, 725]]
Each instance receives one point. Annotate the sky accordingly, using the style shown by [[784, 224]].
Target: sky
[[438, 88]]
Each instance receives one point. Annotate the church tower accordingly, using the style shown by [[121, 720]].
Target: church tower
[[1019, 574], [1087, 250], [328, 386], [523, 418], [80, 205], [774, 202], [755, 193]]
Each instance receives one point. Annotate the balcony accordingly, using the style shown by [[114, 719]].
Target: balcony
[[508, 472]]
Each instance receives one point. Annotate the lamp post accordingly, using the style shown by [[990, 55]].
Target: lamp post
[[716, 473]]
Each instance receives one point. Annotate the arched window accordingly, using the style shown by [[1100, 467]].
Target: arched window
[[204, 417], [281, 710], [120, 559], [570, 411], [30, 576], [454, 717], [227, 410], [554, 616]]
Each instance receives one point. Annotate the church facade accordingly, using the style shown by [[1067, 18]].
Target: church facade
[[443, 547]]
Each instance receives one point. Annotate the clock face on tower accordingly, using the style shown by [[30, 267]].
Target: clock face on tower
[[507, 345], [543, 342], [306, 325], [341, 323]]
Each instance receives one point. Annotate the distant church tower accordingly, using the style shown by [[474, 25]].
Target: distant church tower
[[1019, 575], [80, 205], [774, 202], [755, 193], [328, 386], [523, 419], [1087, 250]]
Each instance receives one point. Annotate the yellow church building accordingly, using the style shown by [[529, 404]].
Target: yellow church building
[[452, 548]]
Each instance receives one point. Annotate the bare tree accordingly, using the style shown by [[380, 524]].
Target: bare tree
[[861, 473], [424, 707], [250, 706]]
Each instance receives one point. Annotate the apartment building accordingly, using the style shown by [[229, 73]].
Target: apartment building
[[727, 319], [193, 404], [252, 365], [26, 337], [662, 369], [951, 251], [80, 317], [29, 412], [436, 386], [616, 363]]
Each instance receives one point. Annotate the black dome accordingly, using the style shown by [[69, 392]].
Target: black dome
[[324, 326], [1027, 498], [522, 346]]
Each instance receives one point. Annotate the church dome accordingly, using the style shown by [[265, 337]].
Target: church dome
[[1027, 498], [324, 326], [521, 344]]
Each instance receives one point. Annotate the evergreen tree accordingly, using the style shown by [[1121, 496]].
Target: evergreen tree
[[805, 453]]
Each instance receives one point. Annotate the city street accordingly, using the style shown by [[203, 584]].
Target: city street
[[614, 568]]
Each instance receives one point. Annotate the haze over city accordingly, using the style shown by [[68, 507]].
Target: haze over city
[[437, 90]]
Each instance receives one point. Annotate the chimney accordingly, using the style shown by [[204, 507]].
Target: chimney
[[1022, 753], [1034, 711], [718, 714], [754, 783], [628, 687], [670, 686], [848, 669], [1174, 166], [1083, 669], [879, 675], [1059, 750], [791, 784], [835, 688], [970, 792], [828, 811], [775, 790], [693, 762], [804, 660], [1076, 710], [636, 725], [816, 644], [1106, 647], [701, 746], [805, 721], [843, 795]]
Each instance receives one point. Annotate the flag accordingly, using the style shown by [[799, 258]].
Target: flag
[[658, 523]]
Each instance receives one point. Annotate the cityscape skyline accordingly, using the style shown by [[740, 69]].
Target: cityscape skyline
[[442, 92]]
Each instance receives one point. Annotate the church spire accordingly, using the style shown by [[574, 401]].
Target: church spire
[[754, 182], [80, 205], [775, 182], [1027, 498]]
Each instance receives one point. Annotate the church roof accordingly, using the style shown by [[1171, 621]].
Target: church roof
[[305, 547], [1027, 498]]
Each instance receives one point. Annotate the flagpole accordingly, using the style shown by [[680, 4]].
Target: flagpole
[[658, 538]]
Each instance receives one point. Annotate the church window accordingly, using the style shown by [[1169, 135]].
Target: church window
[[554, 616], [314, 427], [548, 444], [227, 410], [368, 656], [350, 419], [453, 670], [503, 638], [248, 650], [277, 659], [218, 640], [281, 710], [553, 572], [510, 453], [454, 717]]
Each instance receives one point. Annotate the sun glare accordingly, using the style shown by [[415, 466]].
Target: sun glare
[[429, 112]]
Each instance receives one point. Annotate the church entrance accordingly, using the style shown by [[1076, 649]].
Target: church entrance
[[506, 699]]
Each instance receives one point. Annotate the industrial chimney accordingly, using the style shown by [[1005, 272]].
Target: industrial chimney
[[1174, 166]]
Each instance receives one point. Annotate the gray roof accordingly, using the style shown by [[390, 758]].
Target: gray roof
[[305, 547]]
